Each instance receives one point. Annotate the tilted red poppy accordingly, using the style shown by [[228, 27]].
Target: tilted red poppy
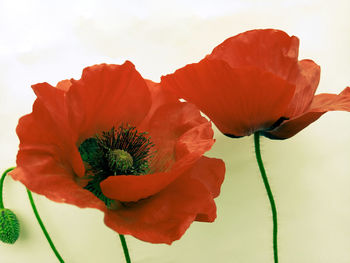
[[119, 143], [254, 82]]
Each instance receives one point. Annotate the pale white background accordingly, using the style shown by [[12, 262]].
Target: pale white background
[[309, 173]]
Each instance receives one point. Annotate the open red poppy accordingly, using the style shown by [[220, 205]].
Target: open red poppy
[[154, 195], [254, 82]]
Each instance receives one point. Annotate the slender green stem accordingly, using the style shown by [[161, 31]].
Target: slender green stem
[[125, 248], [2, 185], [43, 227], [269, 193]]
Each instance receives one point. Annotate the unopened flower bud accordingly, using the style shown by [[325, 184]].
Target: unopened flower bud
[[9, 226]]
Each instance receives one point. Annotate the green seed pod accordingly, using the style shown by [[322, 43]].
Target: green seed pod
[[9, 226], [120, 160]]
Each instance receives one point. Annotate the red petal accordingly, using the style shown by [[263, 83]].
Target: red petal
[[331, 102], [159, 97], [320, 105], [53, 100], [239, 101], [165, 217], [167, 125], [64, 85], [192, 145], [131, 188], [46, 128], [107, 95], [43, 176], [305, 76], [269, 49], [45, 161], [166, 122], [210, 172]]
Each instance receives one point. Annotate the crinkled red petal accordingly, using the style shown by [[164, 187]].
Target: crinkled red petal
[[210, 172], [239, 101], [164, 217], [42, 129], [64, 85], [305, 76], [268, 49], [45, 177], [106, 96], [168, 123], [320, 105], [45, 161], [159, 97]]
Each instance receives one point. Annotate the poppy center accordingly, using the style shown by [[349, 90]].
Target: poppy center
[[121, 151], [120, 160]]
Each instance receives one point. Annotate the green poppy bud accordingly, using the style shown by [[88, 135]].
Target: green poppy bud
[[9, 226]]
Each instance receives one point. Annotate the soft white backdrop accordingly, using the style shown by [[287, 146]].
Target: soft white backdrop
[[309, 173]]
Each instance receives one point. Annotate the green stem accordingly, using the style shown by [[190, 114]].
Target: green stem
[[269, 193], [125, 248], [2, 185], [43, 227]]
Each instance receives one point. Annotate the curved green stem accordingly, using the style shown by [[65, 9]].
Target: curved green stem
[[269, 193], [2, 185], [125, 248], [43, 227]]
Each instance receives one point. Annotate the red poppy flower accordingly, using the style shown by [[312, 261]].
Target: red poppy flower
[[254, 82], [119, 143]]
